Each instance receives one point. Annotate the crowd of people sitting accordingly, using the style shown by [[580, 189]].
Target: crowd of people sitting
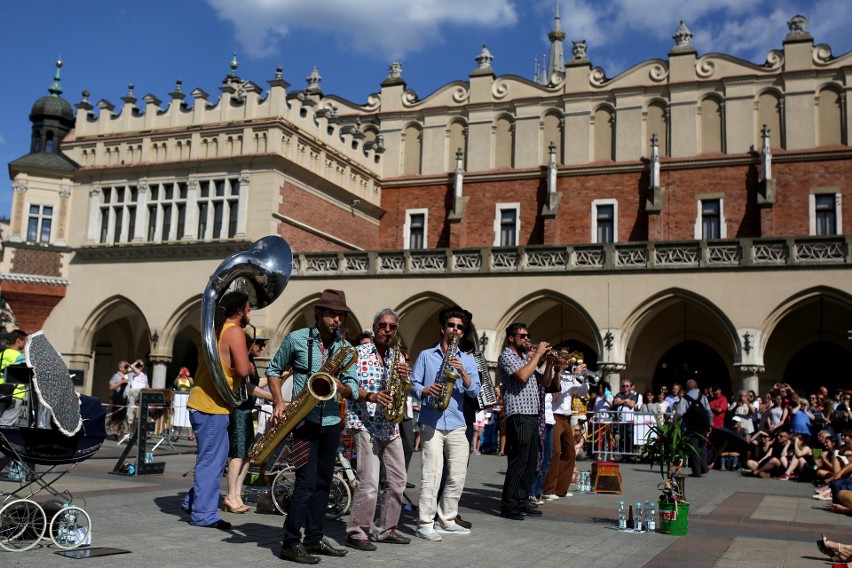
[[786, 436]]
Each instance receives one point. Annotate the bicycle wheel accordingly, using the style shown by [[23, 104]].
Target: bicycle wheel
[[70, 527], [282, 488], [339, 498], [22, 525]]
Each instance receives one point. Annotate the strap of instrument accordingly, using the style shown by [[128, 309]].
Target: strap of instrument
[[300, 449]]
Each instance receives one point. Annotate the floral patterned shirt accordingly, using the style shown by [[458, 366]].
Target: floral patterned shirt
[[372, 377]]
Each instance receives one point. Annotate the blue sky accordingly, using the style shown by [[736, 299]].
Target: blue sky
[[106, 44]]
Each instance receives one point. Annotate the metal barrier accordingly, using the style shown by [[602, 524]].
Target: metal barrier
[[616, 433]]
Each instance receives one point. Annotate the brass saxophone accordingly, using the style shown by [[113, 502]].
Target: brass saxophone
[[319, 387], [447, 377], [397, 385]]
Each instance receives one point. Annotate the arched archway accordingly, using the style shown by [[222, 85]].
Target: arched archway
[[302, 315], [116, 330], [806, 341], [677, 322], [418, 322], [181, 337]]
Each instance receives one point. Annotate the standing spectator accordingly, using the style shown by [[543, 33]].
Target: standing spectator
[[241, 429], [138, 381], [674, 398], [693, 396], [627, 402], [10, 408], [744, 409], [719, 406], [117, 387]]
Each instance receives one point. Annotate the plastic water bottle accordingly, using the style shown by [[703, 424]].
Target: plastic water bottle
[[647, 511], [652, 519], [587, 482], [622, 517], [149, 457], [639, 524]]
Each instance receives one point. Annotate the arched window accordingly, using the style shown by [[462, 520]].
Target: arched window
[[710, 113], [830, 118], [656, 123], [769, 113], [48, 143], [412, 148], [604, 135], [504, 143], [552, 133]]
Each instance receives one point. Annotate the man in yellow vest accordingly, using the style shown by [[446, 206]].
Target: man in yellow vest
[[11, 400], [11, 408]]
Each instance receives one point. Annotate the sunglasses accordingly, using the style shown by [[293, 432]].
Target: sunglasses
[[523, 335], [390, 326], [457, 326]]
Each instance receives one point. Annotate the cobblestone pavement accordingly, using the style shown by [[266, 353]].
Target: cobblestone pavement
[[735, 521]]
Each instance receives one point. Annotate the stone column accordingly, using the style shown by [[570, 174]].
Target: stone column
[[19, 189], [748, 377], [95, 199], [158, 375]]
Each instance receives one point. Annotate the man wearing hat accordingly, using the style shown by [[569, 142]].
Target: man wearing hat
[[443, 433], [316, 438]]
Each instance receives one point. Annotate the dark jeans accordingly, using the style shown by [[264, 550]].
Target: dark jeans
[[698, 462], [522, 452], [313, 482], [406, 432]]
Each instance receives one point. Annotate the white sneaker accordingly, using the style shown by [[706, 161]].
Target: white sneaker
[[427, 533], [568, 495], [550, 497], [451, 528]]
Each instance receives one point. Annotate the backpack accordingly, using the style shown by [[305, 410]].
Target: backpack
[[695, 419]]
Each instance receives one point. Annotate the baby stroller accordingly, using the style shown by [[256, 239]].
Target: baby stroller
[[58, 429]]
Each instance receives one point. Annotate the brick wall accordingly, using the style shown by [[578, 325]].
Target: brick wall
[[318, 213], [32, 303], [737, 185]]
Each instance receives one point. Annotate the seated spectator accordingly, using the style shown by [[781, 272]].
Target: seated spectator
[[841, 416], [579, 442], [801, 459], [827, 465], [775, 461], [730, 455]]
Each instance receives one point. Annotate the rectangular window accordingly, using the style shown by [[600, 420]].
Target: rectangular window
[[152, 222], [507, 224], [825, 214], [181, 221], [711, 219], [116, 232], [232, 217], [167, 222], [605, 224], [131, 222], [202, 219], [39, 223], [218, 215], [415, 231], [104, 224]]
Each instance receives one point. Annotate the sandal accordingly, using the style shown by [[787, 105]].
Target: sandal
[[232, 507], [837, 551]]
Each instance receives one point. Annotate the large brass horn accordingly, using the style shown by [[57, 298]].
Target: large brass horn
[[266, 267]]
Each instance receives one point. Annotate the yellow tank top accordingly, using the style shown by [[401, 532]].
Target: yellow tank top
[[203, 396]]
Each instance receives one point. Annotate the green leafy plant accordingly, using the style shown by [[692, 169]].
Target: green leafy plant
[[669, 446]]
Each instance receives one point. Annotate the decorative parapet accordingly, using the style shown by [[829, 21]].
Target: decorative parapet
[[791, 253], [33, 279]]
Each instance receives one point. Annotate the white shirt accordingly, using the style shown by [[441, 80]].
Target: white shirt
[[571, 387], [139, 380], [548, 409]]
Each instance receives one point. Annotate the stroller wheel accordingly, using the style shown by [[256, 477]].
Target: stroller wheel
[[22, 525], [71, 527]]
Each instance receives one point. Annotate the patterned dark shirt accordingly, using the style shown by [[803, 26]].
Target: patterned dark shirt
[[518, 397]]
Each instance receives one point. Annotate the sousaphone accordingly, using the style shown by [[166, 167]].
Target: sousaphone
[[265, 271]]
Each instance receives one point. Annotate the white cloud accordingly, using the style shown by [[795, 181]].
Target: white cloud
[[2, 140], [388, 28]]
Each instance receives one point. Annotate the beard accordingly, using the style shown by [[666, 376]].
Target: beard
[[244, 320]]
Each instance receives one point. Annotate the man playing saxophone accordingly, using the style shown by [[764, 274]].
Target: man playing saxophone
[[443, 432], [316, 438], [377, 439]]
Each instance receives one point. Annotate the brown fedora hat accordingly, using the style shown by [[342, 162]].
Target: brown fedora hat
[[333, 300]]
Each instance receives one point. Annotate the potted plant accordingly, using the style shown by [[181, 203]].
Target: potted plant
[[670, 446]]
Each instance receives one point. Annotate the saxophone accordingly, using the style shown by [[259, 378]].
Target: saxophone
[[447, 377], [319, 387], [397, 386]]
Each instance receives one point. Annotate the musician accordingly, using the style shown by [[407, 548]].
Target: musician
[[443, 433], [315, 439], [209, 414], [377, 441], [521, 370], [572, 384]]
